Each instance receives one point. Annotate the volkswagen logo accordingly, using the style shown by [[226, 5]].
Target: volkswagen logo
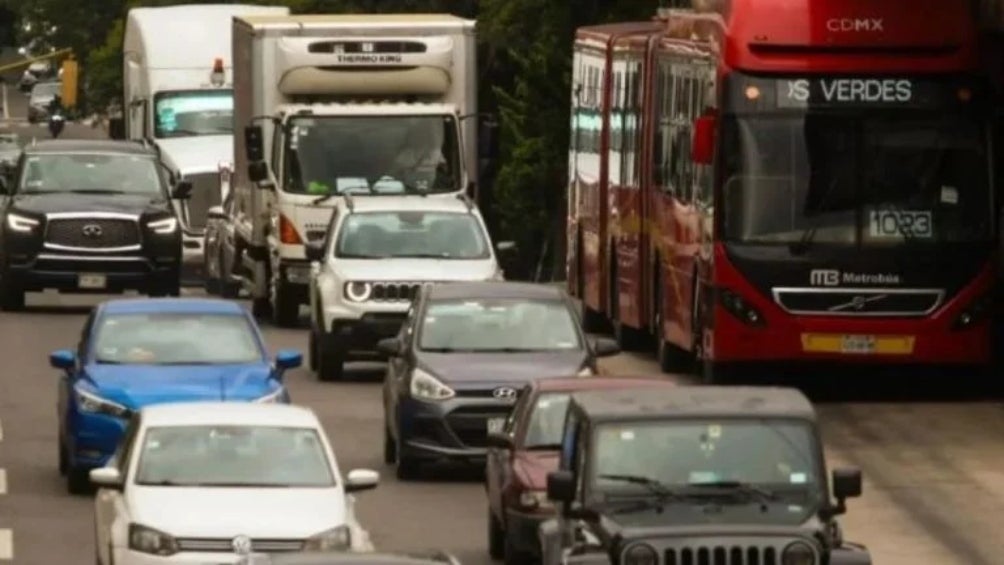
[[504, 393], [92, 230], [241, 545]]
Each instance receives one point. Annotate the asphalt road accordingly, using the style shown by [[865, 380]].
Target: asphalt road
[[932, 454]]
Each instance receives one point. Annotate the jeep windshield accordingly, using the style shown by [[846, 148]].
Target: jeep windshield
[[373, 154], [706, 457]]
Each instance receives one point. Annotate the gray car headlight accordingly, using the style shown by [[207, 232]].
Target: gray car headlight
[[335, 539]]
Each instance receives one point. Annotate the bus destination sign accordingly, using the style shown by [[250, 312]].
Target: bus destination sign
[[862, 92]]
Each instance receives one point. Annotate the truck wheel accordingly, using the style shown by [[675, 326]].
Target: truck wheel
[[312, 349], [285, 306], [496, 537], [513, 555], [330, 359]]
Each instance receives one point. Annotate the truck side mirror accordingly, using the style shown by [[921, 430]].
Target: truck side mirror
[[702, 150], [116, 128], [258, 171], [254, 144], [488, 138]]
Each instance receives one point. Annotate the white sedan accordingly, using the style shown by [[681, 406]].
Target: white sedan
[[211, 483]]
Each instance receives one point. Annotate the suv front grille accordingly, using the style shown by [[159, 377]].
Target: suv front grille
[[395, 291], [98, 234], [722, 555]]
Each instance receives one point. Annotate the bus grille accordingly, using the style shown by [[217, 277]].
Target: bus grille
[[859, 301]]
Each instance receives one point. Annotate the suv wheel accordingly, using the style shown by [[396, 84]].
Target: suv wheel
[[78, 481], [11, 298], [496, 536], [312, 349], [389, 447], [285, 307], [330, 359]]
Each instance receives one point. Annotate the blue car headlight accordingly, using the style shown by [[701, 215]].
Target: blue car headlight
[[94, 404], [278, 395]]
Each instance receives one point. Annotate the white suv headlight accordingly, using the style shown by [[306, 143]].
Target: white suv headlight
[[17, 222], [426, 387], [335, 539], [358, 291], [165, 226], [586, 372]]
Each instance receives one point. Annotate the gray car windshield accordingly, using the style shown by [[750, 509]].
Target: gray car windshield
[[45, 91], [233, 456], [194, 112], [435, 235], [547, 421], [176, 339], [91, 172], [856, 179], [499, 325], [680, 454], [381, 154]]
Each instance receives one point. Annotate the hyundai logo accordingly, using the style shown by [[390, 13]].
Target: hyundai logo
[[92, 230], [241, 545], [504, 393]]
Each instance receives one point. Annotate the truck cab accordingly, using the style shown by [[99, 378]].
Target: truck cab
[[696, 475]]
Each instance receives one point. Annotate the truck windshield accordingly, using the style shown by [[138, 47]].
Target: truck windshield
[[877, 179], [684, 453], [384, 154], [194, 112]]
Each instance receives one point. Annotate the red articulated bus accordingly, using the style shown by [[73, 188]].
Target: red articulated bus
[[787, 181]]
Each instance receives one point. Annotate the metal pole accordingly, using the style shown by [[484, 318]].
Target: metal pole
[[6, 109]]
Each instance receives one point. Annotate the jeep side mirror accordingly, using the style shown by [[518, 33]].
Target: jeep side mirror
[[561, 486], [846, 483]]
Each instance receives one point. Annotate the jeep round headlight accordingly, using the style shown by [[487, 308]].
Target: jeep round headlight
[[641, 554], [798, 553]]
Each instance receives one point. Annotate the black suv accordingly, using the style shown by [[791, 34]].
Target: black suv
[[696, 475], [88, 216]]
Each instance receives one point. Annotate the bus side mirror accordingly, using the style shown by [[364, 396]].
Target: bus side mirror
[[254, 145], [116, 128], [702, 149]]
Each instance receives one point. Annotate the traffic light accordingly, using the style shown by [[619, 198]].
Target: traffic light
[[70, 72]]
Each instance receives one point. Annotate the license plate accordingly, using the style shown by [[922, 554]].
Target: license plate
[[858, 344], [91, 281], [495, 425]]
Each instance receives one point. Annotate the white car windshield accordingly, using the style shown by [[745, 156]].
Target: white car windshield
[[176, 339], [233, 456], [499, 325], [436, 235]]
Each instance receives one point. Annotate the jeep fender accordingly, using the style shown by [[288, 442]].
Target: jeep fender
[[850, 554]]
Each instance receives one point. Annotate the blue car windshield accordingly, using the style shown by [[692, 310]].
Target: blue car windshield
[[176, 339]]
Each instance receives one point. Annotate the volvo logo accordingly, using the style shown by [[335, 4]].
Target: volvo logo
[[504, 393], [92, 230], [857, 303], [241, 545]]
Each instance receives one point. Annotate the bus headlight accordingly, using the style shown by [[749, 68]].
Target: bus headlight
[[740, 308]]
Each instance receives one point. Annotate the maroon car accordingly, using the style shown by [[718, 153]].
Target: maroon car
[[524, 453]]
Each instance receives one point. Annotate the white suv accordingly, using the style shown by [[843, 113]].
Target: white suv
[[377, 253]]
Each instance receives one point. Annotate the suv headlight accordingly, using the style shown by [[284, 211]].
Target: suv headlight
[[640, 554], [272, 397], [358, 291], [427, 387], [17, 222], [798, 553], [90, 402], [165, 226], [586, 372], [335, 539], [149, 540]]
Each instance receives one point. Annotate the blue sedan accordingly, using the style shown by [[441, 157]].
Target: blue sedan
[[134, 353]]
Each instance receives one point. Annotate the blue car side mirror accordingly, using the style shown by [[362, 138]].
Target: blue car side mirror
[[63, 359], [288, 359]]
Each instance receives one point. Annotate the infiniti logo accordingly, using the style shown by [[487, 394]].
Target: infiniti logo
[[504, 393], [92, 230], [241, 545]]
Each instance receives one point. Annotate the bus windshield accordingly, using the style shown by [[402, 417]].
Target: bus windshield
[[865, 178]]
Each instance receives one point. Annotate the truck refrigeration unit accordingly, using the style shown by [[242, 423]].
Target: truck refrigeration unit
[[330, 105], [176, 95]]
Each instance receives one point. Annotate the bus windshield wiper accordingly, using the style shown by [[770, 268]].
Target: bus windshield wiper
[[805, 242]]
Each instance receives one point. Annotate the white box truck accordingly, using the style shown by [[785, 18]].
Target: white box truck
[[336, 104], [177, 95]]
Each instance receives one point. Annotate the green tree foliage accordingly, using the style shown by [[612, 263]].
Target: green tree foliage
[[526, 48]]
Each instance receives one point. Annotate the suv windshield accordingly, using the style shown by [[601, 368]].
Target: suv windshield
[[499, 325], [437, 235], [68, 172], [681, 453], [874, 179], [194, 112], [176, 339], [383, 154], [233, 456]]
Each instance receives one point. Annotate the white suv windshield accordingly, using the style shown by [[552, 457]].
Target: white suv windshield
[[436, 235]]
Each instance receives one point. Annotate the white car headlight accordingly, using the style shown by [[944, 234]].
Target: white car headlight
[[272, 397], [426, 387], [94, 404], [335, 539], [17, 222], [151, 541], [358, 291], [165, 226]]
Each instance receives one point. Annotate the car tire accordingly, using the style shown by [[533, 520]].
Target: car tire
[[496, 536], [228, 287], [514, 556], [330, 359], [312, 349], [407, 469], [78, 481], [285, 307], [64, 464], [389, 447], [11, 297]]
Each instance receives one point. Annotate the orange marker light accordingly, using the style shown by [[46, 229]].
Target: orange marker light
[[965, 95], [287, 232], [752, 92]]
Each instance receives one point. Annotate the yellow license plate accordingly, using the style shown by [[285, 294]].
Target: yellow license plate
[[858, 344]]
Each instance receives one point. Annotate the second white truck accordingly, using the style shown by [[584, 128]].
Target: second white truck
[[329, 105]]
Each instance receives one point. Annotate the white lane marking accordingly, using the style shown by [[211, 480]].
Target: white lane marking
[[6, 545], [3, 481], [1, 430]]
